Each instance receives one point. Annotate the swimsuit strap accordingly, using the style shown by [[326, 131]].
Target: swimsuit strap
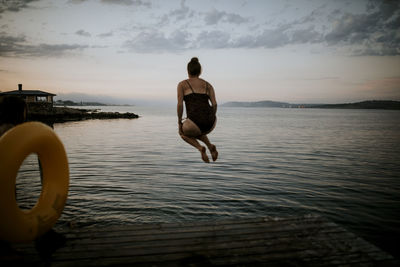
[[207, 88], [190, 86]]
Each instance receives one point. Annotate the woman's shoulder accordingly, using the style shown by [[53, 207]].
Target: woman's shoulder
[[203, 80], [183, 82], [207, 83]]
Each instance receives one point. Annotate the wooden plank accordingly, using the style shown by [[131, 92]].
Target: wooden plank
[[96, 255], [186, 229], [233, 256], [140, 248], [239, 244], [168, 235], [192, 224], [295, 241], [256, 248], [181, 227], [184, 241]]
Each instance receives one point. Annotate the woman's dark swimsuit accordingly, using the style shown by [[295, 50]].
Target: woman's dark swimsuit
[[198, 109]]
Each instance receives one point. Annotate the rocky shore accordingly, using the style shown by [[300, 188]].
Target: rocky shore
[[64, 114]]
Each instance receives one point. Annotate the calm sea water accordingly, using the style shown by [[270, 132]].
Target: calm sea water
[[341, 164]]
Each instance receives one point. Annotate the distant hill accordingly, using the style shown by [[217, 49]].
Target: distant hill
[[370, 104]]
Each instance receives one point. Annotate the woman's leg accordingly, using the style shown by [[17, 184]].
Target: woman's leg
[[211, 147], [190, 130]]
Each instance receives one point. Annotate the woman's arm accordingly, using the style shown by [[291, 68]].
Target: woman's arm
[[212, 98], [180, 105]]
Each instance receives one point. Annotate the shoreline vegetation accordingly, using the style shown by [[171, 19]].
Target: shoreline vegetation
[[58, 114], [370, 104], [83, 103]]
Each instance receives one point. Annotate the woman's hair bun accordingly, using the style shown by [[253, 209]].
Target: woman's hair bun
[[194, 67]]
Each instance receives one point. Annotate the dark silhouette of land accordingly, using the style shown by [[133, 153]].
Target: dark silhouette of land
[[82, 103], [37, 112], [370, 104], [258, 104]]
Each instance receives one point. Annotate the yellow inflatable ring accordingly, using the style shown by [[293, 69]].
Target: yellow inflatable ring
[[18, 225]]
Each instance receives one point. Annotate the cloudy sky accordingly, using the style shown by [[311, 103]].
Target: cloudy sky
[[126, 51]]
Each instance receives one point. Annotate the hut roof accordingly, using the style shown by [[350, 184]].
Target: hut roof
[[27, 93]]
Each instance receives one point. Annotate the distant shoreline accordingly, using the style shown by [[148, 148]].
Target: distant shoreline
[[65, 114], [370, 104], [64, 103]]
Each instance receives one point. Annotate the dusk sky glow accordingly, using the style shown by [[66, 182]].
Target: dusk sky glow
[[130, 51]]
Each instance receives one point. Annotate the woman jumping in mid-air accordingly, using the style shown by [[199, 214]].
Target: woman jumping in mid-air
[[201, 117]]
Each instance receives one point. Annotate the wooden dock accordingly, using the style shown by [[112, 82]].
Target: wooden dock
[[295, 241]]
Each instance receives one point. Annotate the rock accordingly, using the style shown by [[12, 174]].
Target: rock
[[64, 114]]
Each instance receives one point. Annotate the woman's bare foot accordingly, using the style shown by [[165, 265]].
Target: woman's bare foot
[[204, 154], [214, 152]]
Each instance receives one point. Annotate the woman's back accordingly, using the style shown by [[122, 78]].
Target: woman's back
[[198, 107], [195, 85]]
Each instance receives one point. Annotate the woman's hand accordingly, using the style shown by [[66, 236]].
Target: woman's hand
[[180, 127]]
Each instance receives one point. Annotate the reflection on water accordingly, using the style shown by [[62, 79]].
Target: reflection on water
[[342, 164], [28, 185]]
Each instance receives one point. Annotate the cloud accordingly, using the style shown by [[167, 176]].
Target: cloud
[[280, 36], [375, 50], [375, 33], [83, 33], [235, 18], [11, 46], [52, 50], [178, 14], [272, 38], [76, 1], [127, 2], [117, 2], [14, 5], [210, 18], [156, 41], [309, 35], [213, 39], [214, 17], [106, 34], [153, 40]]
